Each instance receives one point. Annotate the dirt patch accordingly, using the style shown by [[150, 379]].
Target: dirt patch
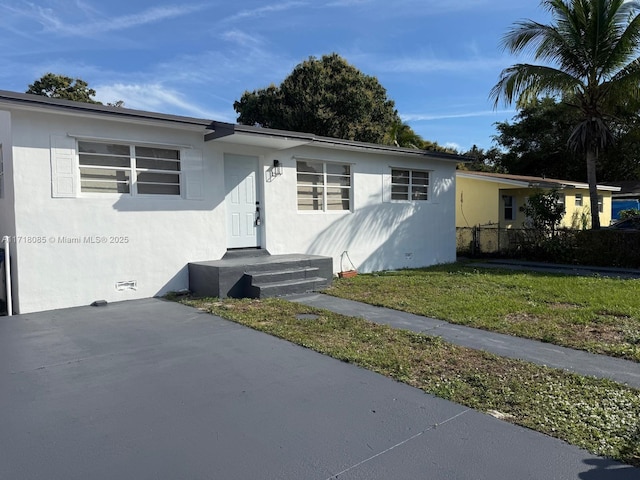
[[601, 333]]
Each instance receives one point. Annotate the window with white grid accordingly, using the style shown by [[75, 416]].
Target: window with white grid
[[129, 169], [409, 184], [323, 186]]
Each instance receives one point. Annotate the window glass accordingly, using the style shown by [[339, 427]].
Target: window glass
[[337, 199], [578, 199], [121, 168], [338, 169], [323, 186], [104, 180], [104, 148], [400, 176], [149, 152], [104, 160], [151, 164], [409, 185], [508, 207]]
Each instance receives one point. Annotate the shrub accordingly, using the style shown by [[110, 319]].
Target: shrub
[[614, 248]]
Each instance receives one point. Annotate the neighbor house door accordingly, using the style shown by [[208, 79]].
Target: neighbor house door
[[240, 179]]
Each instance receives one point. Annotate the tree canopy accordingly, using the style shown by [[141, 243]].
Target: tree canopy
[[327, 97], [535, 143], [590, 58], [61, 86]]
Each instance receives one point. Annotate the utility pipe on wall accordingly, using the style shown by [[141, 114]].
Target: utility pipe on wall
[[7, 274]]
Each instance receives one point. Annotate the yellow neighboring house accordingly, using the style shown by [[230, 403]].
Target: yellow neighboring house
[[495, 199]]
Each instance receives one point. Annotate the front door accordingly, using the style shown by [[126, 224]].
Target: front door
[[240, 179]]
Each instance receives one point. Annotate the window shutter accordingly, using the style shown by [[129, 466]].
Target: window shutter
[[386, 187], [63, 171], [192, 171]]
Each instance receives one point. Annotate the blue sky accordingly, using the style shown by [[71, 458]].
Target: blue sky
[[437, 59]]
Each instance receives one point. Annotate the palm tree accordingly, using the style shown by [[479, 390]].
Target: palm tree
[[592, 49]]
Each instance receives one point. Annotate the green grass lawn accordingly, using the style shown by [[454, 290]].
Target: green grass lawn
[[598, 415], [596, 314]]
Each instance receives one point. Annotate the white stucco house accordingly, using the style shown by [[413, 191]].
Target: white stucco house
[[106, 203]]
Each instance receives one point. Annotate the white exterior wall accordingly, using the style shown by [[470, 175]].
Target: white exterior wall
[[7, 217], [164, 234], [378, 234]]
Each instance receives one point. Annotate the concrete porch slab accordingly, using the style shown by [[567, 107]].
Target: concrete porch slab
[[230, 276]]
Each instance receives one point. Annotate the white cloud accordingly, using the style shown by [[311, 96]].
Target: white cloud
[[157, 98], [433, 64], [93, 22], [347, 3], [267, 9], [243, 39], [420, 117]]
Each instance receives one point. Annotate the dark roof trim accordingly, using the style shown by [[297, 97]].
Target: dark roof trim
[[222, 129], [219, 129], [30, 100]]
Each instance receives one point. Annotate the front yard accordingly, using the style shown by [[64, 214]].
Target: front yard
[[595, 314], [598, 415], [599, 315]]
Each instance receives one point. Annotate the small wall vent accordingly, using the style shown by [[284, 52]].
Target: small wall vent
[[127, 285]]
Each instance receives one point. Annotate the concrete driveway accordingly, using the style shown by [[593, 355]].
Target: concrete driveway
[[154, 390]]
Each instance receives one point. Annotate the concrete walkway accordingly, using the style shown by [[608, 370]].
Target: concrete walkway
[[577, 270], [150, 389], [578, 361]]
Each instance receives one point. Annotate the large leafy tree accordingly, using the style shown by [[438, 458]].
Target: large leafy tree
[[535, 142], [481, 160], [327, 97], [590, 56], [61, 86]]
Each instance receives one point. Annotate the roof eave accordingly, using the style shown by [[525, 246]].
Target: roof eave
[[222, 131], [26, 101]]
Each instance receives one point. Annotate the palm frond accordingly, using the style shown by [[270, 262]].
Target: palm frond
[[591, 133], [524, 82], [627, 42], [624, 85]]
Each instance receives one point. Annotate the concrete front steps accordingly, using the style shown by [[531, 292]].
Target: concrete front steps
[[253, 273], [279, 282]]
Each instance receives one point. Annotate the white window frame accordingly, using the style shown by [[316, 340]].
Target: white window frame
[[600, 203], [325, 186], [132, 169], [410, 186], [579, 203]]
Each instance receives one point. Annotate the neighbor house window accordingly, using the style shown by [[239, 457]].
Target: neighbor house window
[[509, 207], [600, 204], [409, 184], [132, 169], [323, 186], [578, 199], [561, 201]]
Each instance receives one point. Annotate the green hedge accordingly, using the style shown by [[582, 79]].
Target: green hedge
[[608, 247]]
